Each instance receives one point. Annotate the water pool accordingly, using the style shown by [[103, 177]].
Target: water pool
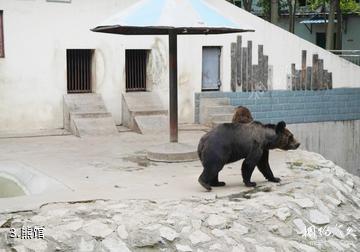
[[9, 188]]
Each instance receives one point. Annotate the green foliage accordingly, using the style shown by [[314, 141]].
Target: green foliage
[[347, 6]]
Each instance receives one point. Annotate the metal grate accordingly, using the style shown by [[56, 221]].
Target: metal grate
[[78, 70], [135, 65]]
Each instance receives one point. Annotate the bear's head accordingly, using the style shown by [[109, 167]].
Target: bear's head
[[285, 139]]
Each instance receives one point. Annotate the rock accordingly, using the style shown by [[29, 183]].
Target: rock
[[183, 248], [238, 248], [215, 220], [196, 224], [118, 218], [122, 233], [304, 203], [143, 238], [97, 228], [300, 226], [317, 217], [37, 245], [239, 229], [186, 230], [168, 233], [285, 231], [115, 245], [199, 237], [73, 225], [337, 232], [332, 200], [217, 232], [86, 245], [335, 245], [302, 247], [216, 246], [264, 249], [283, 213]]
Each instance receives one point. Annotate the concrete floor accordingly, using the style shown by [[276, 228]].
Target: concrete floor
[[116, 168]]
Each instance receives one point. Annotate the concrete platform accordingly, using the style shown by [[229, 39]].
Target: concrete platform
[[152, 124], [172, 152], [116, 168]]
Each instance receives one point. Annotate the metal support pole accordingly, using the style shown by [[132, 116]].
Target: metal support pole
[[173, 103]]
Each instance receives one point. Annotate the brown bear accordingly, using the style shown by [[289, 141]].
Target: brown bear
[[242, 115], [230, 142]]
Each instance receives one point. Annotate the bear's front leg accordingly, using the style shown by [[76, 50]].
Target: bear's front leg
[[265, 169], [249, 164]]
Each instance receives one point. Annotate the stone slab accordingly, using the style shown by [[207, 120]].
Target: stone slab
[[172, 152]]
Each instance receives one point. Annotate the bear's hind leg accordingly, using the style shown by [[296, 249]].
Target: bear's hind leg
[[216, 183], [209, 174]]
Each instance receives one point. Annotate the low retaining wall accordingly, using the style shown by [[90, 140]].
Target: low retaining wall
[[326, 121]]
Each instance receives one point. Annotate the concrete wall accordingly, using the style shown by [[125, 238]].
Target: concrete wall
[[337, 141], [37, 34]]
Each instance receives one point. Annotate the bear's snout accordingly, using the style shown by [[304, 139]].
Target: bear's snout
[[297, 145]]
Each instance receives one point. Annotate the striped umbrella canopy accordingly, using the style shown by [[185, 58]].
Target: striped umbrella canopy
[[148, 17], [172, 17]]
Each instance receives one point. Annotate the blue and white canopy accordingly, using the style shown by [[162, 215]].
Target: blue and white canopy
[[161, 16]]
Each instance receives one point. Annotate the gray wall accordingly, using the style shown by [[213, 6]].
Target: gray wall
[[337, 141]]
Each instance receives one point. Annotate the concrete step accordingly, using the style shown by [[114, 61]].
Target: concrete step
[[87, 126], [144, 102], [86, 114], [152, 124], [215, 101], [141, 104], [221, 117], [85, 103], [89, 114], [223, 109]]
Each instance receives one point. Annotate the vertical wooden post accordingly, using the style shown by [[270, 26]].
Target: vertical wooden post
[[303, 69], [173, 101], [308, 78], [314, 74], [330, 80], [244, 69], [265, 72], [238, 61], [293, 75], [321, 74], [261, 64], [249, 65], [233, 67]]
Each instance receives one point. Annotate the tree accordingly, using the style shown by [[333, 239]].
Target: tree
[[274, 11], [331, 25], [292, 14], [247, 4]]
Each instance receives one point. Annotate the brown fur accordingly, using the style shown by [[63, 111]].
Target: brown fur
[[242, 115]]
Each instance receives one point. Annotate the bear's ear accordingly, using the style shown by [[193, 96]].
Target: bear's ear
[[280, 127]]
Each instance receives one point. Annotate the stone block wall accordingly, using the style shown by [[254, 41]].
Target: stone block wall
[[302, 106]]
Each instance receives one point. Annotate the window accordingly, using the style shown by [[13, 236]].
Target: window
[[2, 52], [135, 65], [79, 70]]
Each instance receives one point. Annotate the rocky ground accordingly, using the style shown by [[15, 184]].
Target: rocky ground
[[318, 211]]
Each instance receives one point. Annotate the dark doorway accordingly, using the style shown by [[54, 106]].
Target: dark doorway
[[211, 68], [135, 65], [79, 70], [321, 39]]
